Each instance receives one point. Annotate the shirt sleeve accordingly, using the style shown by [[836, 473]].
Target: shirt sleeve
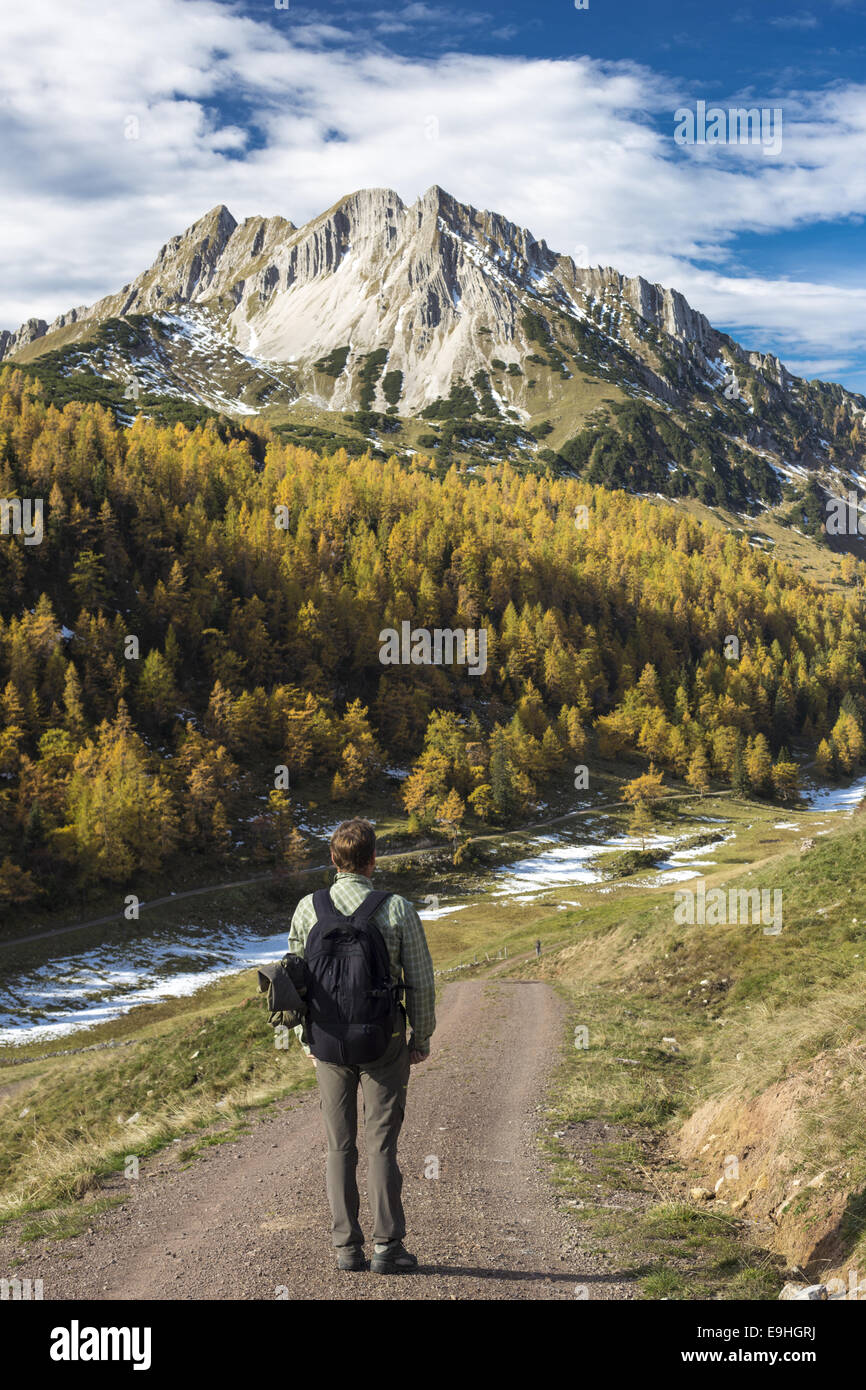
[[299, 930], [418, 978]]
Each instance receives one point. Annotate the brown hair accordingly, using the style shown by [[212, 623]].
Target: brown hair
[[353, 845]]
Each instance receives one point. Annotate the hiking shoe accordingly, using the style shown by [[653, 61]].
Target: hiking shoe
[[392, 1259], [351, 1258]]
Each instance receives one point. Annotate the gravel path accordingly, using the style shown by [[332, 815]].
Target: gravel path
[[248, 1218]]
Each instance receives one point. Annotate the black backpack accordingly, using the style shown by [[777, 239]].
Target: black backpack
[[351, 997]]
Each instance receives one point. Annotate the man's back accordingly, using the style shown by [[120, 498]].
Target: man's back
[[403, 933]]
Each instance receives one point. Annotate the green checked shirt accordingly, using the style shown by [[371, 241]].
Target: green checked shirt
[[403, 934]]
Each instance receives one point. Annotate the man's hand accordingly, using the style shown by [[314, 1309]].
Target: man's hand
[[417, 1057]]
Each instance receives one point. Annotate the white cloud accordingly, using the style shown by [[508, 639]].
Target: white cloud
[[801, 20], [821, 367], [236, 110]]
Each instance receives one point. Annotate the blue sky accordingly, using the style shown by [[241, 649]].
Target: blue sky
[[562, 119], [729, 43]]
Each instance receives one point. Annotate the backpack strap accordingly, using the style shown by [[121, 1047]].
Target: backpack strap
[[369, 907], [323, 906]]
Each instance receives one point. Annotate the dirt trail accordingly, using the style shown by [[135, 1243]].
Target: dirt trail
[[249, 1218]]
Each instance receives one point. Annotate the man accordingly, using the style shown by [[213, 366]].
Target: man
[[383, 1082]]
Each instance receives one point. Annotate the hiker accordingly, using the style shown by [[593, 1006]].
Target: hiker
[[538, 948], [377, 1055]]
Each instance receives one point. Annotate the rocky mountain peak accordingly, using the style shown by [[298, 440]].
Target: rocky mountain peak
[[393, 308]]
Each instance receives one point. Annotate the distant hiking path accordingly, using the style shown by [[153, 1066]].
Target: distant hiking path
[[248, 1218], [382, 859]]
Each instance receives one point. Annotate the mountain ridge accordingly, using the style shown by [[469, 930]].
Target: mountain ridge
[[386, 313], [667, 307]]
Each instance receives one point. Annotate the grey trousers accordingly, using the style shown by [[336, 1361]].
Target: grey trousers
[[383, 1085]]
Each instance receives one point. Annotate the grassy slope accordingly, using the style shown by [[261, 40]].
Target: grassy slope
[[818, 563], [762, 1083], [179, 1068]]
